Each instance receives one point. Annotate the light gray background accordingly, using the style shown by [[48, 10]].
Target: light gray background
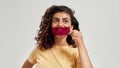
[[99, 23]]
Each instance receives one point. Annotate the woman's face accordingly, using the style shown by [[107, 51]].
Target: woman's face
[[61, 19]]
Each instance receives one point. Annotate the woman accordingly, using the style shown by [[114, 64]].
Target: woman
[[60, 42]]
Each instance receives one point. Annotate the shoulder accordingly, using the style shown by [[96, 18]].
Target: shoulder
[[74, 51], [36, 50]]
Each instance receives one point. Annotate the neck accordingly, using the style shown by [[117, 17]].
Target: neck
[[61, 41]]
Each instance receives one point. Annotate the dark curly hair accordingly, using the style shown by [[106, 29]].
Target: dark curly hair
[[45, 38]]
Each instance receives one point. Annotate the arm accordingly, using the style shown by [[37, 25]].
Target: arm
[[27, 64], [84, 58], [83, 55]]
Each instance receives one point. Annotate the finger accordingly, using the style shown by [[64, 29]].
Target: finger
[[75, 38], [75, 33], [72, 33]]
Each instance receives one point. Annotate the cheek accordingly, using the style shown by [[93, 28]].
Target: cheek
[[68, 25], [53, 25], [71, 29]]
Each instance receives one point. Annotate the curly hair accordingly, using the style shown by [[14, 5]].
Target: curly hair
[[45, 38]]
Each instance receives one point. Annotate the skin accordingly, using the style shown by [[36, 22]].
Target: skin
[[63, 19], [83, 55]]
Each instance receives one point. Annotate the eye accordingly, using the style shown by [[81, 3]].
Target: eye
[[65, 21], [54, 20]]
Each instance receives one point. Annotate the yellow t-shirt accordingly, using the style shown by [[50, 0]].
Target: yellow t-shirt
[[56, 57]]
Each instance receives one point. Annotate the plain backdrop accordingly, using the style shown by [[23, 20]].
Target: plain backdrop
[[99, 22]]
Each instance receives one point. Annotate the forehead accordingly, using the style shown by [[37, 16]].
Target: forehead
[[61, 15]]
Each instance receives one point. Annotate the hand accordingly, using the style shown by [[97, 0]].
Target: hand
[[77, 37], [83, 55]]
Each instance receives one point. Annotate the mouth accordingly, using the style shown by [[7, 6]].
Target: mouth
[[61, 30]]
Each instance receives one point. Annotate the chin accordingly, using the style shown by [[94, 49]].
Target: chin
[[60, 36]]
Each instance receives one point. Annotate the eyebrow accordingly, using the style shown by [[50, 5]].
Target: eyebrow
[[58, 18]]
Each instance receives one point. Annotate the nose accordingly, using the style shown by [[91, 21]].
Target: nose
[[60, 23]]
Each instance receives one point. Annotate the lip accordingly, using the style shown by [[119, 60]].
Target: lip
[[60, 30]]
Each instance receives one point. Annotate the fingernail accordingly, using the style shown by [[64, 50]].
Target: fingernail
[[68, 33]]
